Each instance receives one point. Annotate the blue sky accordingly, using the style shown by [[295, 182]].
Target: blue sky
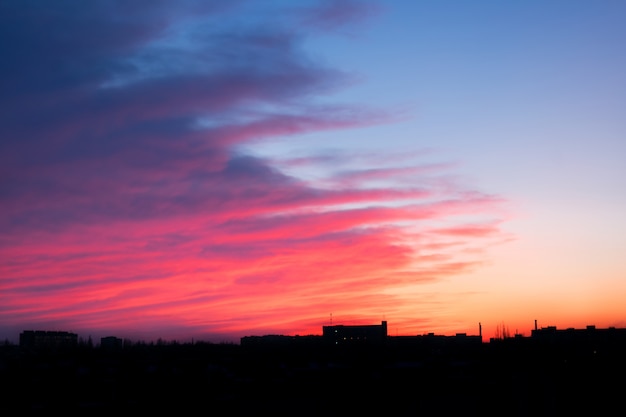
[[526, 101]]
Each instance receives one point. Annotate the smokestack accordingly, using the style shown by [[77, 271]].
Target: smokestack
[[480, 330], [535, 324]]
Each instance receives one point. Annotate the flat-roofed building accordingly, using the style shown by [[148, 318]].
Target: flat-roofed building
[[358, 334], [47, 339], [111, 342]]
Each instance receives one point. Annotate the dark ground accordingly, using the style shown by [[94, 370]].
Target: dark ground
[[203, 379]]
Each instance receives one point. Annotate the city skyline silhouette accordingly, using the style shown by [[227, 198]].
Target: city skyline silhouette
[[347, 369], [338, 333]]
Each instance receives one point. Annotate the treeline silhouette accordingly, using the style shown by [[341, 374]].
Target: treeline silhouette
[[306, 377]]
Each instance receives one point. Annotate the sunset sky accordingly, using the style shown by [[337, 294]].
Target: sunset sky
[[216, 169]]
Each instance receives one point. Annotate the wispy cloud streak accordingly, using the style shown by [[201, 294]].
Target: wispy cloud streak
[[127, 205]]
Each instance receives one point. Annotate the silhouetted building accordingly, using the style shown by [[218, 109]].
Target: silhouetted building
[[111, 342], [47, 339], [429, 344], [587, 337], [363, 334]]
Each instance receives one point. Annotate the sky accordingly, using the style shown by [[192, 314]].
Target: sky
[[198, 170]]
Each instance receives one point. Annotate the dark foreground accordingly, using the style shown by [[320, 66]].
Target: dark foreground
[[503, 379]]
